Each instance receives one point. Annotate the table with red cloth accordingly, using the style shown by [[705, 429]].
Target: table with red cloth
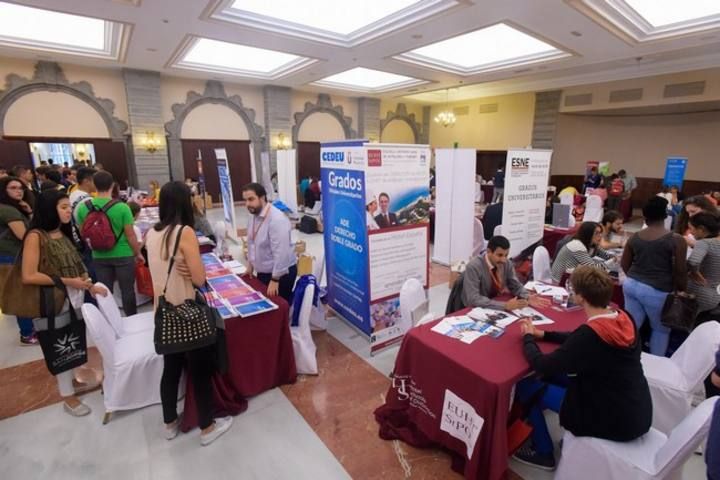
[[488, 192], [625, 209], [482, 374], [552, 235], [260, 357]]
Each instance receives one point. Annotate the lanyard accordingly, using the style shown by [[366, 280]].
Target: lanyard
[[265, 211]]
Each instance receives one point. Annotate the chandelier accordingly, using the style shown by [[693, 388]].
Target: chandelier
[[446, 118]]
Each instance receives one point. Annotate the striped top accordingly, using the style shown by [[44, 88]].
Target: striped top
[[573, 254], [705, 258]]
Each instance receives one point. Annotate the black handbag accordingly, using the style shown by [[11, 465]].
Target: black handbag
[[679, 311], [189, 326], [64, 348]]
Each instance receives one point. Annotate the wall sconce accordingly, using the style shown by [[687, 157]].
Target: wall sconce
[[151, 143], [282, 142]]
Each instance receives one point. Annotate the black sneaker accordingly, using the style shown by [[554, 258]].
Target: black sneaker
[[527, 455]]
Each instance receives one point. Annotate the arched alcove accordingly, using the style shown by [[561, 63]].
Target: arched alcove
[[323, 105], [214, 121], [320, 127], [400, 115], [397, 131]]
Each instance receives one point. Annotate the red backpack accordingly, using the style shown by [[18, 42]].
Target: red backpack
[[617, 187], [97, 231]]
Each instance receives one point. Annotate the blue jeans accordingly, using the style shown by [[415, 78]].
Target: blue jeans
[[25, 325], [552, 399], [643, 301]]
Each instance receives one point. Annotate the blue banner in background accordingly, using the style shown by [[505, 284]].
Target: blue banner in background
[[675, 172], [345, 232]]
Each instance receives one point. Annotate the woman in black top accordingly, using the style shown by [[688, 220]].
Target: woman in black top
[[607, 394], [654, 262]]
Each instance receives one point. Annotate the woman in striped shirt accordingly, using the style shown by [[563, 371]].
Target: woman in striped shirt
[[583, 249]]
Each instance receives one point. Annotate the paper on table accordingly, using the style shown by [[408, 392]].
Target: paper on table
[[546, 290], [536, 317], [498, 317]]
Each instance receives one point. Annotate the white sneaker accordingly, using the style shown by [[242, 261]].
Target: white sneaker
[[222, 425], [172, 432], [80, 411]]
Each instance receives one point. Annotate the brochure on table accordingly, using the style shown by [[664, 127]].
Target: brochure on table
[[526, 180], [366, 268], [230, 294], [226, 193]]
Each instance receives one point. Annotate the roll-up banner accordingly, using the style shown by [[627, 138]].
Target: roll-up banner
[[226, 192], [675, 172], [526, 181]]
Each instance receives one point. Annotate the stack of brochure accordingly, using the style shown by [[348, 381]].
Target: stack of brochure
[[466, 329], [230, 295]]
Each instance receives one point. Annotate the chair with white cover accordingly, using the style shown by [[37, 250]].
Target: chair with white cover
[[653, 456], [412, 297], [541, 265], [303, 344], [319, 267], [497, 231], [593, 209], [478, 238], [132, 368], [123, 326], [427, 318], [674, 380]]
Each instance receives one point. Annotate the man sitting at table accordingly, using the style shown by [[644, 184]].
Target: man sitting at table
[[491, 275], [612, 224], [607, 395]]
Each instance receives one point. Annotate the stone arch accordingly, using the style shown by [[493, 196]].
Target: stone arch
[[49, 77], [323, 105], [400, 113], [214, 93]]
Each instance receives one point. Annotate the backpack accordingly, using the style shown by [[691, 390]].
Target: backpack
[[97, 231], [617, 187], [308, 225]]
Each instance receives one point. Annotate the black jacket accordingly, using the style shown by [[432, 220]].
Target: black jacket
[[492, 218], [608, 396]]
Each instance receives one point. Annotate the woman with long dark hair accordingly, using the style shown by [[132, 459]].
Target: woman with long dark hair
[[176, 227], [691, 207], [581, 250], [14, 221], [50, 236]]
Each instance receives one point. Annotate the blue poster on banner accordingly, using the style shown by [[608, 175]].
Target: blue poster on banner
[[226, 192], [343, 193], [675, 172]]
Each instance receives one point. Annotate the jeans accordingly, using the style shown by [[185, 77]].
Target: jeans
[[552, 399], [25, 324], [201, 365], [641, 301], [285, 285], [123, 270]]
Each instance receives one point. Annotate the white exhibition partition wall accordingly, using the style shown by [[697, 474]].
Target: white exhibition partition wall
[[287, 178], [454, 204], [265, 175]]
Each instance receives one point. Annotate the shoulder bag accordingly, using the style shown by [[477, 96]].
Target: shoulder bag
[[679, 311], [189, 326]]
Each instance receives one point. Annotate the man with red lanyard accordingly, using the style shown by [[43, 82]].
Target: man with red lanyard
[[492, 275], [270, 251]]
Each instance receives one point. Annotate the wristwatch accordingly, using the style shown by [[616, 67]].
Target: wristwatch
[[276, 280]]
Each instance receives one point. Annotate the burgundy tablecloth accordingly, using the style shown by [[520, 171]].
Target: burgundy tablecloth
[[551, 237], [482, 374], [261, 357], [626, 209]]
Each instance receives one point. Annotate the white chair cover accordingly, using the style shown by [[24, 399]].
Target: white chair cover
[[478, 193], [541, 265], [122, 326], [427, 318], [478, 238], [140, 299], [132, 368], [652, 456], [497, 231], [566, 199], [412, 295], [303, 344], [593, 209], [319, 267], [674, 380]]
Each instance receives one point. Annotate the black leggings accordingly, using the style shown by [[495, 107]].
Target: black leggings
[[201, 366]]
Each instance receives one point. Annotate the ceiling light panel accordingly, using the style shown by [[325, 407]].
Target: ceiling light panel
[[491, 48], [660, 13], [338, 22], [207, 55], [368, 81], [46, 30]]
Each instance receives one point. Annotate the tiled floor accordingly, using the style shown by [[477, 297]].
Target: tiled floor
[[319, 428]]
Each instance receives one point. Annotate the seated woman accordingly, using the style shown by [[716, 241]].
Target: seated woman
[[581, 250], [607, 395], [578, 211], [704, 262], [691, 207]]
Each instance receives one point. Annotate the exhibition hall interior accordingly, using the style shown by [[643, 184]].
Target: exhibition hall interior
[[330, 239]]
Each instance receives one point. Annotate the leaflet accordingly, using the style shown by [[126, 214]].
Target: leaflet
[[465, 329], [496, 317], [536, 317], [213, 266], [546, 290], [238, 297]]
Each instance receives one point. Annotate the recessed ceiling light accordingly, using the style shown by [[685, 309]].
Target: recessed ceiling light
[[502, 47], [151, 49], [576, 33], [205, 54], [417, 36], [368, 80], [38, 29], [660, 13]]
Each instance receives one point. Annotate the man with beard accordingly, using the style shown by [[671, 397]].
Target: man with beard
[[270, 250], [613, 233]]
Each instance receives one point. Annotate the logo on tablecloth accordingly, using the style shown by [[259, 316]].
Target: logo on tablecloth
[[460, 420]]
